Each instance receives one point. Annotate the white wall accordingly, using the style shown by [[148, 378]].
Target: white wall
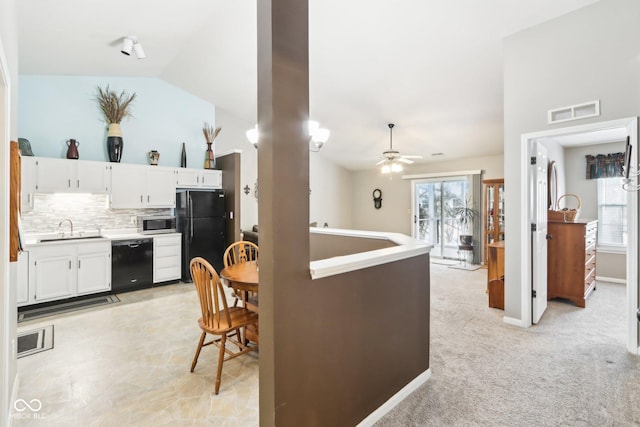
[[54, 109], [582, 56], [232, 137], [331, 193], [395, 213], [8, 130]]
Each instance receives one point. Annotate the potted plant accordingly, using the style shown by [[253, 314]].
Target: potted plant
[[115, 107], [465, 215]]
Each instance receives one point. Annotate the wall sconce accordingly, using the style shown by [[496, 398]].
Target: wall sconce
[[131, 43], [318, 136]]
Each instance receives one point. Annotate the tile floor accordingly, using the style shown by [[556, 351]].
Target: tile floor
[[127, 364]]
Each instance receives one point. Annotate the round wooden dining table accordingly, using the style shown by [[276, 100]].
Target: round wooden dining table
[[243, 278]]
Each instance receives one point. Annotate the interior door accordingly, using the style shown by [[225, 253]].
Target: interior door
[[538, 214]]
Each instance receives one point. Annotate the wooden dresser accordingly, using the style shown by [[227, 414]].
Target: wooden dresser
[[571, 260], [495, 274]]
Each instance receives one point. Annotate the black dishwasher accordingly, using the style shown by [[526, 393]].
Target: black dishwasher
[[131, 264]]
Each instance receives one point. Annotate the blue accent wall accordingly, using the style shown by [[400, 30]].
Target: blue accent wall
[[53, 109]]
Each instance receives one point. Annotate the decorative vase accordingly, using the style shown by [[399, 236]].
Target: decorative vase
[[209, 158], [72, 151], [183, 157], [114, 142], [154, 157]]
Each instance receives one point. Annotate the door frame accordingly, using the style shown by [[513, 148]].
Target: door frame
[[631, 125]]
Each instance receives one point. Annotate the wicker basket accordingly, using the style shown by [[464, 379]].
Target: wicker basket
[[566, 214]]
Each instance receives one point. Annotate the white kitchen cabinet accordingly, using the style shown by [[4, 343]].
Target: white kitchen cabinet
[[27, 182], [140, 186], [94, 268], [199, 178], [22, 294], [167, 258], [71, 176], [161, 188], [65, 270]]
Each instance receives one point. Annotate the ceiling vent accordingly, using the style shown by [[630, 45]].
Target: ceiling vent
[[574, 112]]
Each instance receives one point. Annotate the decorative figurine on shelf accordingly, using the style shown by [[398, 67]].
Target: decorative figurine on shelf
[[154, 157], [210, 134]]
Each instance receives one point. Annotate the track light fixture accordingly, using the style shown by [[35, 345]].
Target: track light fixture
[[131, 43]]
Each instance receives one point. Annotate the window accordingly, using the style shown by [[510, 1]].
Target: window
[[612, 213]]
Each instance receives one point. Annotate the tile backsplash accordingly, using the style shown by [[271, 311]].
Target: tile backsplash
[[86, 211]]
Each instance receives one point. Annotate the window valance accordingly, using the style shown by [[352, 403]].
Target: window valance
[[605, 165]]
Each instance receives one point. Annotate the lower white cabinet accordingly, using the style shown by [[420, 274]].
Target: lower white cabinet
[[167, 258], [65, 270]]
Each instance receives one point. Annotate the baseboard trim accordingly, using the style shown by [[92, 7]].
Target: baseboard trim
[[514, 322], [611, 279], [387, 406]]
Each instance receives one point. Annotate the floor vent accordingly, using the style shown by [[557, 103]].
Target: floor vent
[[66, 307], [35, 341]]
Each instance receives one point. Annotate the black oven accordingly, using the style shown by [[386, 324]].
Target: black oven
[[156, 224]]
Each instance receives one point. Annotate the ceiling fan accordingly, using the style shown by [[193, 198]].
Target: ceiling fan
[[392, 161]]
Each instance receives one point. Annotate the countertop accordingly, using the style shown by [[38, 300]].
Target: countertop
[[33, 239]]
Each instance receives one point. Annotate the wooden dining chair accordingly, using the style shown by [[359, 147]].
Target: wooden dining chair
[[217, 318], [237, 252]]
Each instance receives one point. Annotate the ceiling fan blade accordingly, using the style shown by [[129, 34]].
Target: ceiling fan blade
[[404, 160], [412, 157], [381, 162]]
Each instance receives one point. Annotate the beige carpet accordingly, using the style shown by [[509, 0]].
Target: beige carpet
[[570, 370]]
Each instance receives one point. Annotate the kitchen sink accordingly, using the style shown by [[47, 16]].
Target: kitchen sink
[[78, 235]]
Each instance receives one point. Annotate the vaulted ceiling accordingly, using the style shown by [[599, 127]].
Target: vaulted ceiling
[[432, 67]]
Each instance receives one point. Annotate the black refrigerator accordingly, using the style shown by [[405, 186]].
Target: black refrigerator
[[201, 218]]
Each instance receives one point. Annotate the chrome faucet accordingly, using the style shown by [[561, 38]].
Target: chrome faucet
[[66, 220]]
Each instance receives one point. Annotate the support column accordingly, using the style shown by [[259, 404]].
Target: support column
[[283, 178]]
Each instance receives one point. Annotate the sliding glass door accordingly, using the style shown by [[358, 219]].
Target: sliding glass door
[[434, 219]]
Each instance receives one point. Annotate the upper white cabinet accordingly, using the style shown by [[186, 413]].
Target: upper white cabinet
[[71, 176], [199, 178], [139, 186]]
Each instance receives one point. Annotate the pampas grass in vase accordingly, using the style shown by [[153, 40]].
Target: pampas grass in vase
[[210, 134], [115, 108]]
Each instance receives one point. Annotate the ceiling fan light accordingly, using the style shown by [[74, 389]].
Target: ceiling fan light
[[396, 167], [386, 169]]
